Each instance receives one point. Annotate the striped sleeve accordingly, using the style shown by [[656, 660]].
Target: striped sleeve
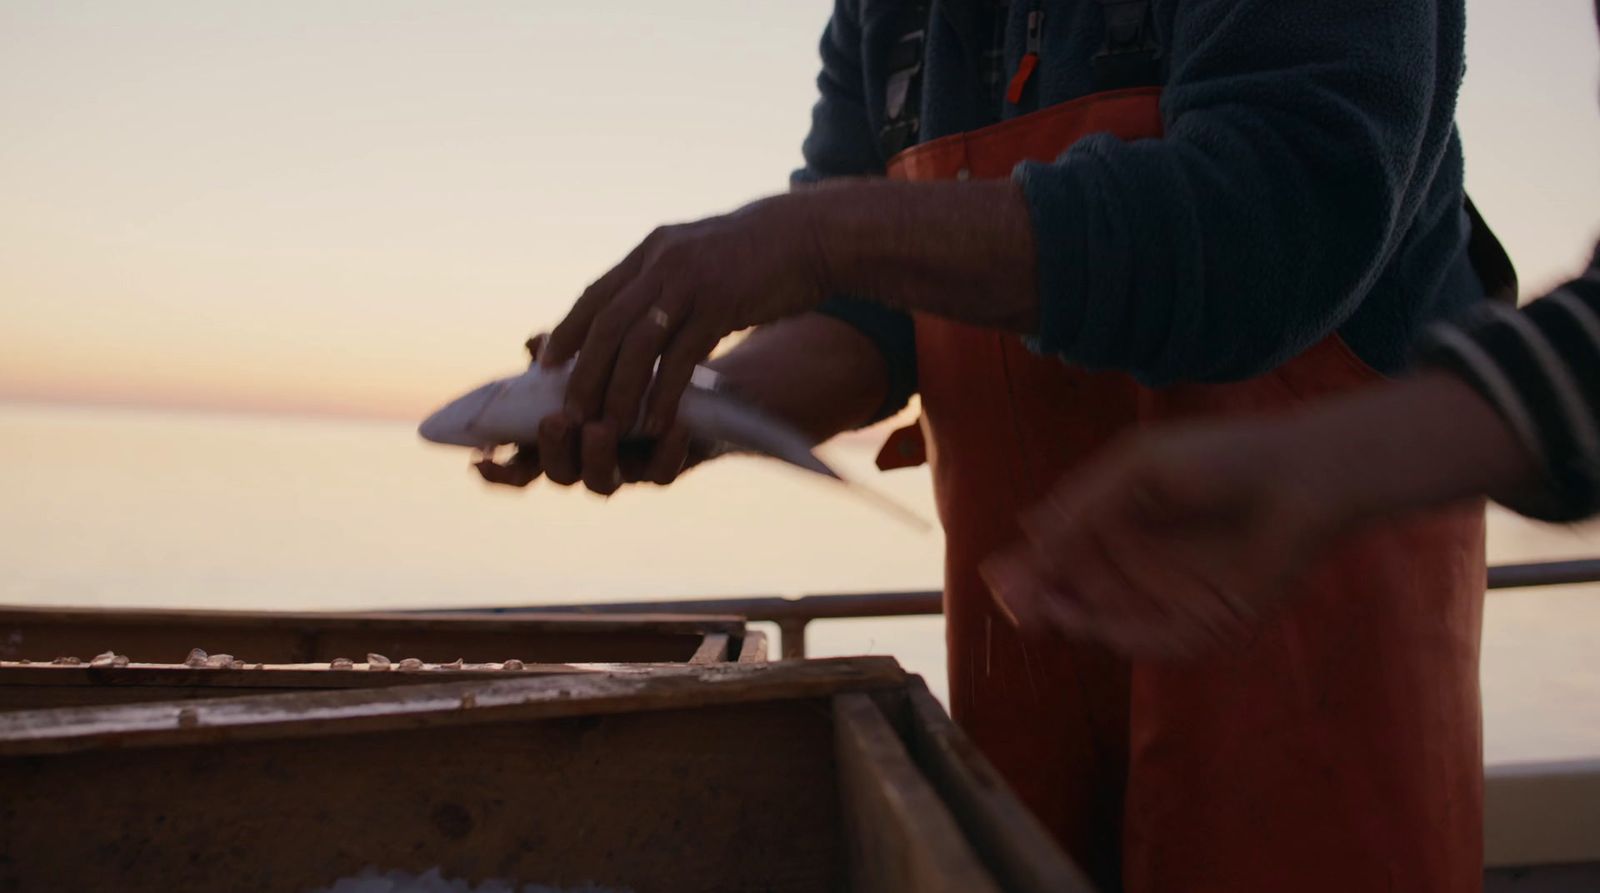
[[1540, 368]]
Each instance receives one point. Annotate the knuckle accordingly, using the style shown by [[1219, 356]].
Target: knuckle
[[664, 473], [658, 242], [566, 475]]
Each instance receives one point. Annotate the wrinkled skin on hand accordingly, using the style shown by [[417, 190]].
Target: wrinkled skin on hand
[[678, 294], [961, 250]]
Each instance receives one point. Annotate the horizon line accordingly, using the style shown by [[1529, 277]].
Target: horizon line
[[203, 407], [869, 436]]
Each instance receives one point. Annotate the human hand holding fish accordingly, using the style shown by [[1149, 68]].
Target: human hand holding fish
[[525, 409], [569, 451], [963, 251], [628, 351]]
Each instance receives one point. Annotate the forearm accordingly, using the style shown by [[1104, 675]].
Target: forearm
[[1416, 444], [818, 373], [894, 334], [962, 250]]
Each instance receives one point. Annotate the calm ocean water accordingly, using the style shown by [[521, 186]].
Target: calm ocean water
[[137, 508]]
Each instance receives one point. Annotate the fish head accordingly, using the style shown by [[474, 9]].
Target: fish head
[[507, 410], [452, 423]]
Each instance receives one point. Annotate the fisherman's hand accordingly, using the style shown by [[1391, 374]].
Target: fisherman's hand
[[960, 250], [1172, 543], [590, 454], [1185, 537], [568, 452], [673, 299]]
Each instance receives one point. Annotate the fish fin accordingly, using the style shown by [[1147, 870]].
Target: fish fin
[[887, 504]]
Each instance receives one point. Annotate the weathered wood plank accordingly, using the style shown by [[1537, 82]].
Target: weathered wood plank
[[901, 838], [331, 712], [1544, 813], [713, 649], [11, 615], [1011, 842], [731, 797], [39, 687], [162, 636], [754, 650], [281, 675]]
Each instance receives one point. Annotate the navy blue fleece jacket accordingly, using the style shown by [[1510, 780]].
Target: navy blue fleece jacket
[[1309, 181]]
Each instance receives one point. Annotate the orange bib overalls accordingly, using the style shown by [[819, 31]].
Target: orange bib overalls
[[1339, 751]]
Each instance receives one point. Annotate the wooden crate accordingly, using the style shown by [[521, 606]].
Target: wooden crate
[[160, 636], [794, 776], [288, 652], [1542, 827]]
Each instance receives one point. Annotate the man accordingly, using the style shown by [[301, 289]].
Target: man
[[1506, 404], [1186, 207]]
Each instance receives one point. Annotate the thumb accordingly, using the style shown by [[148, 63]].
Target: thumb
[[535, 345]]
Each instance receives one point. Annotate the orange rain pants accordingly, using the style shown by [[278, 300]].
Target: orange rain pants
[[1339, 751]]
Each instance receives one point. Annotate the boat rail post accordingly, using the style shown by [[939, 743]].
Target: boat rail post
[[792, 636]]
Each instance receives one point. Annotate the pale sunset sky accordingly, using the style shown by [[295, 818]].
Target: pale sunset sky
[[362, 207]]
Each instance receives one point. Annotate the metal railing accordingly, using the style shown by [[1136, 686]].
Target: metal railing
[[793, 615]]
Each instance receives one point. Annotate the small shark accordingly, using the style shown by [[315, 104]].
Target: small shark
[[509, 410]]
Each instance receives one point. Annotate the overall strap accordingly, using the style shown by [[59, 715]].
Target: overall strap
[[1130, 56], [902, 99]]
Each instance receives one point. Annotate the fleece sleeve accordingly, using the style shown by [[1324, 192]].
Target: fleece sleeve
[[1300, 140], [1540, 369]]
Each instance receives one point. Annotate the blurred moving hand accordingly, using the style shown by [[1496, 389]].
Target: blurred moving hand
[[1183, 539], [1169, 543]]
